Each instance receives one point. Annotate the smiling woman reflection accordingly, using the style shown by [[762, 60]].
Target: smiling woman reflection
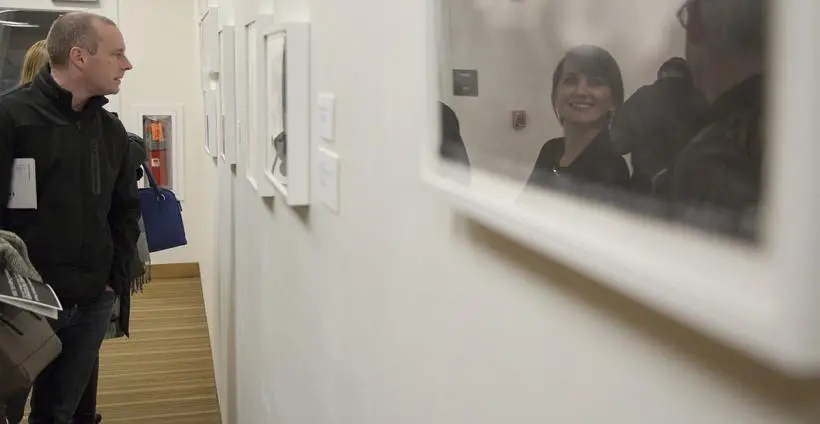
[[587, 90]]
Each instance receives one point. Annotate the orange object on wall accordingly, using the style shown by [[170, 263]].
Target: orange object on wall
[[159, 167], [157, 131]]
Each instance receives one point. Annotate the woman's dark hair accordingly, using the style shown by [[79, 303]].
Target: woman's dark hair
[[596, 62]]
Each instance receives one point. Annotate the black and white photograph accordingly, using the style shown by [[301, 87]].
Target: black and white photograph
[[276, 164]]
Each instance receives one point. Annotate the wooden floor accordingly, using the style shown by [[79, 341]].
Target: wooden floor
[[164, 372]]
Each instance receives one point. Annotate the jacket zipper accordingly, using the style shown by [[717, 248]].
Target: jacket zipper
[[96, 188], [95, 168]]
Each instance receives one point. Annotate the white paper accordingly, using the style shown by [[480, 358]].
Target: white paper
[[23, 193], [326, 113], [328, 164]]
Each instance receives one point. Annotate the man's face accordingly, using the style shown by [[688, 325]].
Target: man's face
[[104, 70]]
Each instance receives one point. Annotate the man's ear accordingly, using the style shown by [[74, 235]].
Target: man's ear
[[76, 56]]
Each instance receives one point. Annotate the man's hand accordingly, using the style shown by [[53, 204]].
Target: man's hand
[[108, 289]]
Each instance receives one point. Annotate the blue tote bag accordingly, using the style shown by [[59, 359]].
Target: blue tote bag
[[162, 215]]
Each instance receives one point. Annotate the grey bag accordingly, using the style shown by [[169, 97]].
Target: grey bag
[[27, 346]]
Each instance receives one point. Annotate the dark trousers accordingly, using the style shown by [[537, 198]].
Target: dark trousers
[[86, 412], [58, 390]]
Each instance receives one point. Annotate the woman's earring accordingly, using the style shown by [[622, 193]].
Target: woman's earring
[[610, 118]]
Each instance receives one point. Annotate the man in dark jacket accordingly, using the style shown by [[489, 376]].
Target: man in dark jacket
[[452, 145], [717, 179], [82, 231], [656, 123]]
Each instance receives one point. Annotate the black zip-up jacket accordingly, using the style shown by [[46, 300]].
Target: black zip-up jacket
[[82, 236]]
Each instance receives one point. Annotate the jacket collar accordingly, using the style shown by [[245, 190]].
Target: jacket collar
[[748, 94], [600, 145], [62, 97]]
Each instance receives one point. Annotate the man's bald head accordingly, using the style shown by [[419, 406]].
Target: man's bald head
[[75, 29]]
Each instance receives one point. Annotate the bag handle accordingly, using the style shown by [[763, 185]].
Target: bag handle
[[151, 181]]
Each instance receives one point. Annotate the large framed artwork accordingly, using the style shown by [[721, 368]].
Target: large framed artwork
[[669, 155], [253, 112], [284, 72], [211, 102], [227, 88], [241, 70], [210, 66], [208, 53]]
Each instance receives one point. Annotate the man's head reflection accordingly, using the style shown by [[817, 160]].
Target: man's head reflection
[[724, 42]]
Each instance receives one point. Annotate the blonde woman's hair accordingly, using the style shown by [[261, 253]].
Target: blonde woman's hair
[[36, 58]]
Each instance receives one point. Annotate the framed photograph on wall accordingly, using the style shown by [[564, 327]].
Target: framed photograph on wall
[[208, 53], [211, 103], [668, 157], [252, 111], [227, 88], [163, 129], [242, 55], [284, 75]]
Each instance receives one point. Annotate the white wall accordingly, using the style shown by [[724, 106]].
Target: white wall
[[394, 311]]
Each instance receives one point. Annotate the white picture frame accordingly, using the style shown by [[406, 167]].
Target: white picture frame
[[241, 89], [764, 301], [251, 111], [210, 67], [212, 127], [284, 75], [175, 111], [208, 46], [227, 89]]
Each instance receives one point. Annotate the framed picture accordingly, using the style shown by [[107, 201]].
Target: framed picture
[[284, 75], [163, 129], [251, 109], [227, 89], [241, 72], [209, 55], [212, 127], [634, 152], [208, 52]]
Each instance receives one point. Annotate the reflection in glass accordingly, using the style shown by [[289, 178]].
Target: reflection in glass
[[276, 152], [661, 115]]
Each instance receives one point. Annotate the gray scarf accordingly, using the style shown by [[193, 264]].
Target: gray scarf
[[14, 255], [144, 257]]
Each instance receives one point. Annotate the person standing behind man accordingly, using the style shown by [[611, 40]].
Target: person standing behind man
[[34, 61], [82, 232]]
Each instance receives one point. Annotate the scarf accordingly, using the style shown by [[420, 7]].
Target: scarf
[[14, 256], [142, 262]]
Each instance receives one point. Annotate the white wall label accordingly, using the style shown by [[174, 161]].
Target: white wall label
[[328, 169], [326, 116]]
